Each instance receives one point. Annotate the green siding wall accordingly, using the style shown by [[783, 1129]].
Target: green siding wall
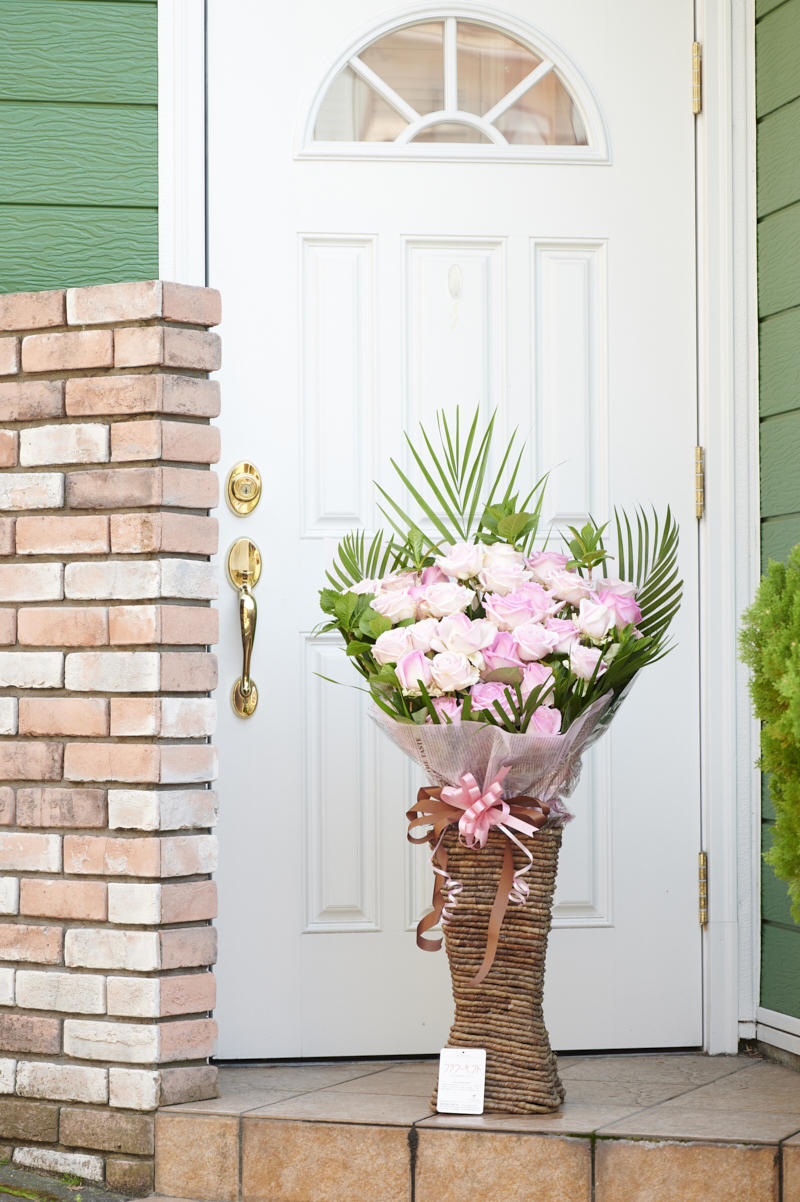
[[778, 151], [78, 142]]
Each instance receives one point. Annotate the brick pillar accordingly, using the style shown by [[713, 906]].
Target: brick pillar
[[105, 809]]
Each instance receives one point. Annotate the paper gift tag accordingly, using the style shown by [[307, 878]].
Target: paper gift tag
[[462, 1076]]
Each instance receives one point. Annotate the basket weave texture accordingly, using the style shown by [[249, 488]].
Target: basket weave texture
[[504, 1013]]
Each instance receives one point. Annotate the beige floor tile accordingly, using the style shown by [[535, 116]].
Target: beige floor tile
[[645, 1172], [668, 1067], [297, 1162], [392, 1081], [720, 1126], [630, 1094], [197, 1156], [327, 1105], [569, 1120], [296, 1077], [760, 1086], [458, 1166], [233, 1102]]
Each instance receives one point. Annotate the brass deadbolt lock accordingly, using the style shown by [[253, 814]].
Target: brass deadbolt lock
[[243, 488]]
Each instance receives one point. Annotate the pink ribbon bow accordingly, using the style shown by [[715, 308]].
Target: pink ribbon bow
[[482, 811]]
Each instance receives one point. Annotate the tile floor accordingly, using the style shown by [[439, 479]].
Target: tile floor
[[655, 1128]]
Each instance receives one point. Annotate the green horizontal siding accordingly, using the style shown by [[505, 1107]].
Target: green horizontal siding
[[778, 173], [78, 142], [778, 183], [780, 465], [46, 246], [91, 154], [79, 50], [778, 57], [779, 341], [778, 259]]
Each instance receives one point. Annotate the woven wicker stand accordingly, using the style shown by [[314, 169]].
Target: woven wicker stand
[[504, 1013]]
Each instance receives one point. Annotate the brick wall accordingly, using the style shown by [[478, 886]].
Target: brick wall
[[105, 809]]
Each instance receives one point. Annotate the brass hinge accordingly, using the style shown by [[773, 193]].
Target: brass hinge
[[702, 888], [699, 482], [697, 77]]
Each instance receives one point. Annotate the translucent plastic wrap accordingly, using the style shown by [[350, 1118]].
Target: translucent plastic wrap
[[546, 767]]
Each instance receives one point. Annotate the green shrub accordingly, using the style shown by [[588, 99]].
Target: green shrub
[[770, 646]]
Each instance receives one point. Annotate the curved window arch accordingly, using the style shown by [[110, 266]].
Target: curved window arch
[[459, 83]]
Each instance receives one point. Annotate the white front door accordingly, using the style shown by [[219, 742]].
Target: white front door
[[529, 248]]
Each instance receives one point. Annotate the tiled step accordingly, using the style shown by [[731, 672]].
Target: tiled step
[[660, 1128]]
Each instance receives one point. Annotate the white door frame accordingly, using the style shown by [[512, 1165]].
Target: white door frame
[[727, 428]]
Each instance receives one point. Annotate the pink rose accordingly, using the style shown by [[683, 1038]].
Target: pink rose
[[421, 634], [546, 720], [398, 580], [544, 563], [452, 671], [462, 560], [365, 586], [534, 641], [397, 606], [567, 634], [411, 669], [594, 619], [503, 569], [483, 697], [446, 707], [533, 677], [458, 633], [392, 645], [502, 653], [441, 600], [569, 586], [433, 575], [520, 606], [626, 611], [583, 661], [613, 585]]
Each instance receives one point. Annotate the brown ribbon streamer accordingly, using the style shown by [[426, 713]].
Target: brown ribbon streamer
[[436, 816]]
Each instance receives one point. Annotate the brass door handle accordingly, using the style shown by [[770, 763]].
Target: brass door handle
[[244, 570]]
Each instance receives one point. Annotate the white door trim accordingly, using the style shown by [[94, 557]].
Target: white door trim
[[182, 141], [729, 533], [727, 427]]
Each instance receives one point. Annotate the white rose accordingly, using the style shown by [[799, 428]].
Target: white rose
[[458, 633], [365, 586], [583, 660], [396, 606], [462, 560], [533, 641], [421, 633], [440, 600], [569, 586], [392, 645], [452, 671], [594, 619]]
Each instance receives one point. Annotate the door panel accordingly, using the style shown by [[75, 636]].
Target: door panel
[[360, 294]]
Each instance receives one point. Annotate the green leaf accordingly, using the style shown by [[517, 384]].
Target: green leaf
[[514, 526]]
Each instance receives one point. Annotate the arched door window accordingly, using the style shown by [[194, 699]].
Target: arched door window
[[456, 82]]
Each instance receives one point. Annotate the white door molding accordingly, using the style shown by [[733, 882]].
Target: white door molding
[[182, 141], [727, 428], [729, 533]]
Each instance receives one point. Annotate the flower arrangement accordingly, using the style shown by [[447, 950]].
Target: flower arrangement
[[469, 622], [492, 658]]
